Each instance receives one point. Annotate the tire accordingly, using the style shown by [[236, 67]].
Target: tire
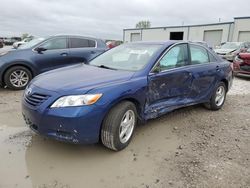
[[17, 77], [215, 103], [111, 133]]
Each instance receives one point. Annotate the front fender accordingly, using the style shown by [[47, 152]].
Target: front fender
[[134, 90]]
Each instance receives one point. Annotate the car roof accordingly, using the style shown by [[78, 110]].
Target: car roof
[[70, 35], [168, 42]]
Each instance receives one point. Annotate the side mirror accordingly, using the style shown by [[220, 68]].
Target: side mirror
[[40, 49], [156, 69]]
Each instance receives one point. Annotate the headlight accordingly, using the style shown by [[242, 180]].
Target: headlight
[[76, 100]]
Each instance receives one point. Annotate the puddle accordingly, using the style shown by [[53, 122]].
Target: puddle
[[29, 160]]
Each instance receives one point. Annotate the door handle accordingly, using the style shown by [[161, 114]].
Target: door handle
[[92, 52], [64, 54]]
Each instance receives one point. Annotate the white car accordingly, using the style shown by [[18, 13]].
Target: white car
[[19, 43], [229, 50]]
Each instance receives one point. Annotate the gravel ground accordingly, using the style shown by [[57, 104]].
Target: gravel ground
[[190, 147]]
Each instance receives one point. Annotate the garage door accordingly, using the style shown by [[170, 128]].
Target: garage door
[[135, 37], [213, 37], [244, 36]]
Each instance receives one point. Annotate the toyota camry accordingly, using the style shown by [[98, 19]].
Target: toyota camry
[[105, 99]]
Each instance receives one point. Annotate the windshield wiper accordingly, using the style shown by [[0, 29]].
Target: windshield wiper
[[106, 67]]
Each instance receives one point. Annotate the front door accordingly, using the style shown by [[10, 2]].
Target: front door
[[170, 85], [55, 56]]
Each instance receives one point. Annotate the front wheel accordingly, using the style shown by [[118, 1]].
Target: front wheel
[[218, 98], [119, 125], [17, 77]]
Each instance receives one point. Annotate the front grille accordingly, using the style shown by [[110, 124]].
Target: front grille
[[36, 99]]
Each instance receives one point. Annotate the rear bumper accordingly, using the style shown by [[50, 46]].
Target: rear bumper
[[239, 72], [242, 74]]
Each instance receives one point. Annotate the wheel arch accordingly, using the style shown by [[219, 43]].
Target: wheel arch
[[17, 64], [225, 81], [133, 100]]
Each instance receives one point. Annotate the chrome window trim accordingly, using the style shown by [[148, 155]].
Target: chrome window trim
[[176, 68], [158, 61]]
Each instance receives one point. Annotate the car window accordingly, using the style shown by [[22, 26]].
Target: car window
[[211, 57], [246, 45], [91, 43], [130, 57], [57, 43], [198, 54], [81, 43], [175, 57]]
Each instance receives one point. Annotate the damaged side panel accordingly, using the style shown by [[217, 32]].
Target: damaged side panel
[[167, 91]]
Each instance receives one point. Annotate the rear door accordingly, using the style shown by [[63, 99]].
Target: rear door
[[205, 70], [82, 50], [169, 86], [55, 56]]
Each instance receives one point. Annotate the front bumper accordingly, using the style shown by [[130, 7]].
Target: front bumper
[[71, 124]]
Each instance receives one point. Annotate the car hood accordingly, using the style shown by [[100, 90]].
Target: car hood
[[79, 77], [11, 52], [224, 51], [245, 55]]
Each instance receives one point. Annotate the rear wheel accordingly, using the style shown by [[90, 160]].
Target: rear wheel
[[118, 126], [218, 98], [17, 77]]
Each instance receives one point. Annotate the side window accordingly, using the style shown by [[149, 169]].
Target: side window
[[57, 43], [81, 43], [175, 57], [91, 43], [212, 58], [198, 54]]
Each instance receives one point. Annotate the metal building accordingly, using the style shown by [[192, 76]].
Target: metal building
[[214, 34]]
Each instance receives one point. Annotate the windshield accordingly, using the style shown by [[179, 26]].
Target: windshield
[[130, 57], [31, 43], [231, 45]]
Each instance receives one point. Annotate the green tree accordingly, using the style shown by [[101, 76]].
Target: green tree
[[143, 24]]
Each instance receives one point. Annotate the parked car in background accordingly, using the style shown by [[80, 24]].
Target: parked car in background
[[19, 43], [1, 43], [112, 43], [229, 50], [204, 43], [104, 99], [8, 41], [241, 64], [18, 67]]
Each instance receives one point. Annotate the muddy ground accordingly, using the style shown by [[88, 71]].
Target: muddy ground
[[190, 147]]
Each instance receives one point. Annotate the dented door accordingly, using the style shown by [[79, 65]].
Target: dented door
[[168, 89], [169, 82]]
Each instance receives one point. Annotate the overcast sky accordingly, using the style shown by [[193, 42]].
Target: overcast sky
[[108, 18]]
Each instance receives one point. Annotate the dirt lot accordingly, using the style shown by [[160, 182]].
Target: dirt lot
[[190, 147]]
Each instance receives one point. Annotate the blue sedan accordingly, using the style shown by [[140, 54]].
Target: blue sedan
[[106, 98]]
